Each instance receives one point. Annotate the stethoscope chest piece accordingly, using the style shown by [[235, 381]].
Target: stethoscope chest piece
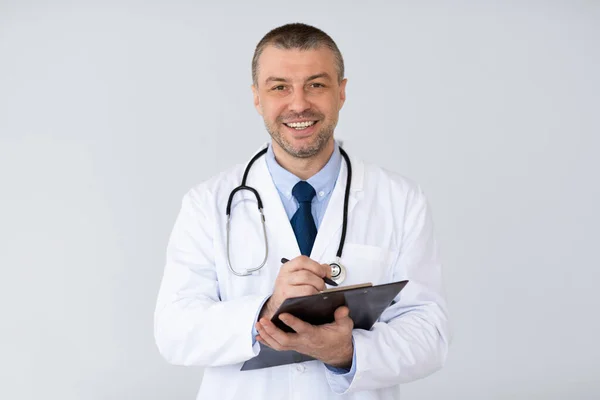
[[338, 272]]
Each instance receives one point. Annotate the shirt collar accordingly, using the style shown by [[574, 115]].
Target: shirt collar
[[323, 181]]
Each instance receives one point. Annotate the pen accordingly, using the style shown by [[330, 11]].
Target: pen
[[326, 279]]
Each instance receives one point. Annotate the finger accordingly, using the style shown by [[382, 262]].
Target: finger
[[304, 277], [303, 262], [285, 340], [268, 339], [326, 269], [297, 291], [261, 340], [269, 342], [301, 327]]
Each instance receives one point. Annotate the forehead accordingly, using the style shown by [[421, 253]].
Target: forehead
[[295, 64]]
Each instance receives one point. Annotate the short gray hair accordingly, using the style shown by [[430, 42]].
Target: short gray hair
[[297, 36]]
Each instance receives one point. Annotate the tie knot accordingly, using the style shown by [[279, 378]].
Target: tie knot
[[303, 192]]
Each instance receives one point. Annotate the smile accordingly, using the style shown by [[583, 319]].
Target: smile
[[300, 125]]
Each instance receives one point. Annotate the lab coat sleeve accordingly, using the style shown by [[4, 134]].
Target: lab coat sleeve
[[410, 341], [192, 326], [340, 378]]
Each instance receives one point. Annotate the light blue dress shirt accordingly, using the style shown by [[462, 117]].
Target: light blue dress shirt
[[323, 182]]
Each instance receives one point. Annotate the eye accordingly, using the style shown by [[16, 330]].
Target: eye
[[317, 85], [278, 88]]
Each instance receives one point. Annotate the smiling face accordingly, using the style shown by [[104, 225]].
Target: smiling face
[[299, 96]]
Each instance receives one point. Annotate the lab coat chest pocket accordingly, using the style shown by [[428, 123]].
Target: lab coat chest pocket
[[366, 263]]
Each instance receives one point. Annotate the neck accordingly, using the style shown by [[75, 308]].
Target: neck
[[303, 168]]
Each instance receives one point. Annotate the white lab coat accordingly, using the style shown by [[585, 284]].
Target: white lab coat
[[204, 314]]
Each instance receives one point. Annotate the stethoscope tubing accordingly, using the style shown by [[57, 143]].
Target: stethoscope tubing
[[243, 186]]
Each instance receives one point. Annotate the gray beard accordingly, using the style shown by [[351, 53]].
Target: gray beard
[[323, 137]]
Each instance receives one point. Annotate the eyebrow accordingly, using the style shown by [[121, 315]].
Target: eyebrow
[[317, 76], [275, 79], [310, 78]]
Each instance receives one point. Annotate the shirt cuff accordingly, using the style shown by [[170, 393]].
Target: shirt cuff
[[341, 378], [254, 331]]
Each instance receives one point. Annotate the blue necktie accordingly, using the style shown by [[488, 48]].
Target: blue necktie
[[302, 221]]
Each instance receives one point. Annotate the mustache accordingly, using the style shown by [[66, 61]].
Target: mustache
[[308, 114]]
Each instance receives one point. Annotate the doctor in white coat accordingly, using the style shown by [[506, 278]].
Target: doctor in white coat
[[208, 316]]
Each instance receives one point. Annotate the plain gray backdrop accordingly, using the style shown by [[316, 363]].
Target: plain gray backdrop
[[111, 111]]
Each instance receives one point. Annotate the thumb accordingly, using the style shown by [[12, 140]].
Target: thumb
[[341, 313]]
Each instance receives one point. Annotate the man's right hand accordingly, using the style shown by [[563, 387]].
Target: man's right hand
[[300, 276]]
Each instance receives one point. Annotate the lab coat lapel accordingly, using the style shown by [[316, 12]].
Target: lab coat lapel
[[331, 225]]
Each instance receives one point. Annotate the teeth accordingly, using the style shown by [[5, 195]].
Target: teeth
[[301, 125]]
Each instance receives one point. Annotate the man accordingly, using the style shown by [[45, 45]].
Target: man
[[212, 312]]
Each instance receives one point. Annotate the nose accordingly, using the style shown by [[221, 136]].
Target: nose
[[299, 102]]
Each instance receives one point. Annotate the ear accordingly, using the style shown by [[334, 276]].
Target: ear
[[256, 99], [343, 92]]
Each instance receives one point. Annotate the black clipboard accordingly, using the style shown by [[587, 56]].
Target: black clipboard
[[366, 303]]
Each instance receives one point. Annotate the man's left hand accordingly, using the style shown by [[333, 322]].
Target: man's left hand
[[329, 343]]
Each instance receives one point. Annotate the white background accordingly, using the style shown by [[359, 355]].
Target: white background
[[110, 112]]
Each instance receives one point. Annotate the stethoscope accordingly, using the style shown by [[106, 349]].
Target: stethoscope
[[338, 271]]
